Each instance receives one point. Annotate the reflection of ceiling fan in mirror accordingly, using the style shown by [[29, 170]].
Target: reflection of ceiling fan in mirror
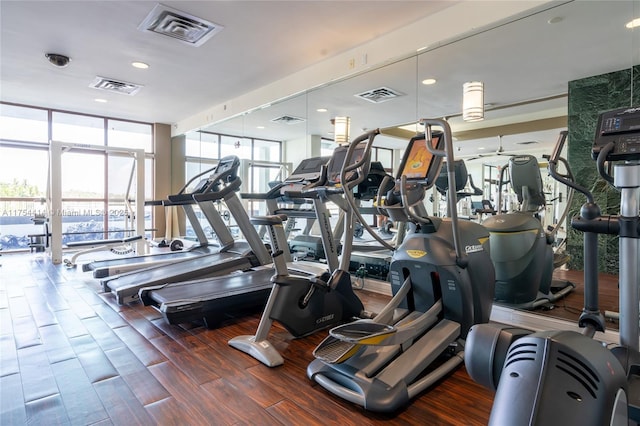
[[499, 151]]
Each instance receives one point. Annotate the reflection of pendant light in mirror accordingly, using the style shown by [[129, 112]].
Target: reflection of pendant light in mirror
[[341, 127], [473, 101]]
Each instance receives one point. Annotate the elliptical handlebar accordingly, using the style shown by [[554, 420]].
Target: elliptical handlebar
[[347, 168], [553, 168], [461, 256], [602, 160]]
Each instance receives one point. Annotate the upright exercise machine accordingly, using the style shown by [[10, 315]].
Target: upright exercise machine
[[442, 281], [304, 305], [184, 198], [212, 299], [521, 250], [566, 377], [236, 256]]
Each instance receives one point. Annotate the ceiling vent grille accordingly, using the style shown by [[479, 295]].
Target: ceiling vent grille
[[116, 86], [288, 119], [379, 95], [182, 26]]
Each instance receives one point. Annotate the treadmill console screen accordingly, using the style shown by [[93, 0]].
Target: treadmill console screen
[[337, 162], [309, 169], [418, 163], [227, 163], [622, 128]]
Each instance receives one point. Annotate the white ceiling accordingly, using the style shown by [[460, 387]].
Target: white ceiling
[[521, 59]]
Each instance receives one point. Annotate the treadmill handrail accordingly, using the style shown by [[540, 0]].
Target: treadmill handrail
[[232, 186]]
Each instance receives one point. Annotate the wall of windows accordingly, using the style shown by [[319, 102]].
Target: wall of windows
[[94, 181], [260, 164]]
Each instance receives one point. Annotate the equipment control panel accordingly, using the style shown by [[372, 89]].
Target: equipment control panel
[[622, 128]]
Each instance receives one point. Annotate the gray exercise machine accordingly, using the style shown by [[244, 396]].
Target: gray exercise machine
[[521, 249], [232, 256], [303, 305], [566, 377], [442, 282], [213, 299], [184, 199]]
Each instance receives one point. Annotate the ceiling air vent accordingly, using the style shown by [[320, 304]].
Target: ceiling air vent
[[112, 85], [288, 119], [381, 94], [173, 23]]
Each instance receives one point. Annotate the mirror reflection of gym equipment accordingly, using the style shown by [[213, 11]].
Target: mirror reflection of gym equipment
[[545, 377], [521, 249]]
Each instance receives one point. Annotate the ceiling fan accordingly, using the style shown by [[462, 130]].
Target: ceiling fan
[[499, 151]]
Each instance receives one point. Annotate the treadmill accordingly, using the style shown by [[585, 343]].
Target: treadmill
[[236, 256], [212, 300], [108, 267]]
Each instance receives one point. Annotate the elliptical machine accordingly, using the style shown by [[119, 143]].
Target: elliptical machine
[[442, 282], [521, 250], [565, 377], [305, 305]]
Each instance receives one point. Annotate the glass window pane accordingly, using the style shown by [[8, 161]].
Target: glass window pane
[[192, 144], [232, 145], [23, 124], [130, 135], [121, 215], [76, 128], [194, 168], [385, 156], [16, 224], [266, 150], [201, 145], [120, 175], [82, 221], [148, 178], [82, 175], [23, 172], [326, 148], [260, 178]]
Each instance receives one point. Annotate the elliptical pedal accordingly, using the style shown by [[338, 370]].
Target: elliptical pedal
[[345, 340], [335, 351]]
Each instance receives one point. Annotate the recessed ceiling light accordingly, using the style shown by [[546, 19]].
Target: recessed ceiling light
[[102, 101], [429, 81], [555, 20], [633, 24], [322, 110], [481, 148], [140, 65], [259, 127]]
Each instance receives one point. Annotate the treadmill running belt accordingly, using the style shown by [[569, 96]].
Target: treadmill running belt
[[210, 299], [126, 286]]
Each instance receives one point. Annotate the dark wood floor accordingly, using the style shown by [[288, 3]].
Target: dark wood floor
[[71, 355]]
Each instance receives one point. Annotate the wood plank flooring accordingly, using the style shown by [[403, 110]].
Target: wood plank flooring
[[70, 354]]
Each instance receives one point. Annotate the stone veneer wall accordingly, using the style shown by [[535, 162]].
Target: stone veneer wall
[[587, 98]]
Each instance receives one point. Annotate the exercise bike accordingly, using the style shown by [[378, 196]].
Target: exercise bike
[[305, 305], [442, 281], [566, 377]]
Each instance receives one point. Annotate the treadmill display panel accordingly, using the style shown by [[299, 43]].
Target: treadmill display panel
[[309, 168]]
